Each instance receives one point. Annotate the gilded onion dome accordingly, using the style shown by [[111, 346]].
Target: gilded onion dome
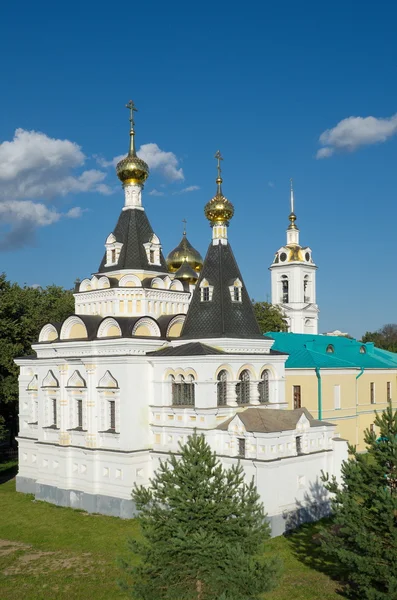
[[219, 210], [132, 169], [184, 253]]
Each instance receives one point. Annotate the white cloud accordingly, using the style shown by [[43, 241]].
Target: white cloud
[[165, 163], [190, 188], [156, 193], [34, 166], [353, 132]]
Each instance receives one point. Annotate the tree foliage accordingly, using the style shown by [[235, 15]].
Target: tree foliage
[[269, 317], [23, 312], [363, 540], [203, 532], [385, 337]]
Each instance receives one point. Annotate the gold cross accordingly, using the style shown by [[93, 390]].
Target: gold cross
[[132, 108], [219, 157]]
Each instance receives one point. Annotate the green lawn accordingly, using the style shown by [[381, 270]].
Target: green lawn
[[52, 553]]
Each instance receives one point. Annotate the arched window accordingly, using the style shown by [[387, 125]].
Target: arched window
[[284, 289], [330, 349], [243, 388], [363, 350], [306, 290], [222, 388], [182, 390], [263, 387]]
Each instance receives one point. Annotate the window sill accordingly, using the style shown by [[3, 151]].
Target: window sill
[[111, 431], [78, 429], [33, 423], [54, 427]]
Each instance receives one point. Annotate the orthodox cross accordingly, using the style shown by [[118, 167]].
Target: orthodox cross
[[219, 157], [184, 226], [131, 106]]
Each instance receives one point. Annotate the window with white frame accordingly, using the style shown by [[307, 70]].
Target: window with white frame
[[263, 387], [113, 249], [243, 387], [53, 413], [112, 415], [221, 388], [236, 291], [284, 289], [206, 291], [153, 250], [182, 390]]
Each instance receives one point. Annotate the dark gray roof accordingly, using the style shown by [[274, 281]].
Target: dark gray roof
[[191, 349], [133, 230], [220, 317], [269, 420]]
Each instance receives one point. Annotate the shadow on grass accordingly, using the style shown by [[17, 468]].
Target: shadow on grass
[[304, 534], [8, 470]]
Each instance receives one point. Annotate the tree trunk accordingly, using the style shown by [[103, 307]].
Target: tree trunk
[[199, 588]]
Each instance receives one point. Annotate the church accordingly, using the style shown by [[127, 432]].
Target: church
[[159, 348]]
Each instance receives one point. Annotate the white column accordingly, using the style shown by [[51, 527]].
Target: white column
[[64, 435], [254, 393], [133, 196], [231, 396], [92, 427]]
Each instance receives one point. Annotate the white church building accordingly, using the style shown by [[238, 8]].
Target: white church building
[[156, 350], [293, 281]]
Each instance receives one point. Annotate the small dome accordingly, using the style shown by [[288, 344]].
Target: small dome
[[186, 273], [184, 253], [219, 209], [132, 169]]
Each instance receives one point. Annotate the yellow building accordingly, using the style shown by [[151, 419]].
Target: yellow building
[[338, 379]]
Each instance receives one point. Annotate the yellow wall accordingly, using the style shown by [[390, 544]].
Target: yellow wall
[[351, 419]]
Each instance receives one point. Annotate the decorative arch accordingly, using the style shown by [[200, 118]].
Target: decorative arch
[[330, 349], [175, 326], [167, 282], [221, 387], [48, 333], [76, 380], [94, 282], [103, 283], [176, 286], [33, 384], [109, 328], [157, 283], [108, 381], [130, 281], [73, 328], [363, 350], [146, 327], [85, 286], [50, 381], [110, 239], [227, 368], [249, 368]]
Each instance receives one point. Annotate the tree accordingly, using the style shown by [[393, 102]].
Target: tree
[[203, 532], [23, 312], [269, 317], [363, 539], [385, 337]]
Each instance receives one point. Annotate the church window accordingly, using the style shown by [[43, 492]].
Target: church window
[[54, 413], [80, 413], [243, 387], [363, 350], [151, 256], [283, 257], [237, 294], [307, 256], [263, 387], [182, 391], [298, 440], [112, 415], [113, 255], [241, 447], [285, 289], [297, 396], [205, 294], [330, 349], [372, 392], [388, 391], [222, 388], [306, 288]]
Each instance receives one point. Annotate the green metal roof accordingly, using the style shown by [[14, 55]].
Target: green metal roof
[[310, 351]]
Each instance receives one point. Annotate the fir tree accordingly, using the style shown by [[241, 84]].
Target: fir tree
[[363, 538], [203, 532]]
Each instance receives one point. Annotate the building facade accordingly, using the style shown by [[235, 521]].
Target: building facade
[[156, 351], [338, 379]]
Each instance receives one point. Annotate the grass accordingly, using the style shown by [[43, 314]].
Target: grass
[[47, 552]]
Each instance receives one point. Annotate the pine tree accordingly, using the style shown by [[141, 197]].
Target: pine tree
[[363, 538], [203, 532]]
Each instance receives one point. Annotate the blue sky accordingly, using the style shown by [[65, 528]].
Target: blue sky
[[260, 81]]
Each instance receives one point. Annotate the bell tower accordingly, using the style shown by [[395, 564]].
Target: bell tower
[[293, 280]]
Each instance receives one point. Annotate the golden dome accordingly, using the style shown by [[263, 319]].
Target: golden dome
[[219, 209], [132, 169], [184, 253]]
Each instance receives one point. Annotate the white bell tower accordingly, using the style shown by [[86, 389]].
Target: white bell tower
[[293, 281]]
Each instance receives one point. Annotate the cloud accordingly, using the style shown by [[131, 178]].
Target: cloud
[[271, 184], [354, 132], [166, 163], [34, 166], [190, 188], [156, 193]]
